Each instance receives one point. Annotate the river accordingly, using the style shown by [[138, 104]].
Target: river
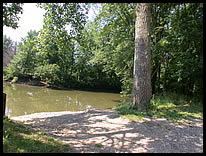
[[25, 99]]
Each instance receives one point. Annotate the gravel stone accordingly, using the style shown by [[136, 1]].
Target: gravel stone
[[84, 129]]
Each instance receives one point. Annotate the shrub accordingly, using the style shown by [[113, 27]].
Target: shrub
[[13, 71], [15, 79], [48, 72]]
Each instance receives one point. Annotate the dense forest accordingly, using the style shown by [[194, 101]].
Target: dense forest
[[99, 53]]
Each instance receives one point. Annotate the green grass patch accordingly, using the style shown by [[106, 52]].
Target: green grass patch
[[170, 106], [17, 138], [99, 145]]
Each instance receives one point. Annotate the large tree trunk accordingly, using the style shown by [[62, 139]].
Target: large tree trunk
[[141, 93]]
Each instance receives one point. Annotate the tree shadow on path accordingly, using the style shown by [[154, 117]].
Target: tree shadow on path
[[104, 131]]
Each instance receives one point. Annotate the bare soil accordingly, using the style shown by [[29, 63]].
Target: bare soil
[[104, 131]]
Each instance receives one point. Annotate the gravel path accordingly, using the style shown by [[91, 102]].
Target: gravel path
[[103, 131]]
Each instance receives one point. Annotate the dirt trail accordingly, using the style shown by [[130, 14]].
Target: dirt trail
[[104, 131]]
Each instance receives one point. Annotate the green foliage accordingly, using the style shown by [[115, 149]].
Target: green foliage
[[127, 84], [177, 47], [55, 44], [115, 41], [15, 79], [5, 73], [171, 106], [25, 61], [48, 72], [20, 139], [8, 45], [61, 14], [90, 73], [10, 14], [99, 145], [13, 71], [99, 53]]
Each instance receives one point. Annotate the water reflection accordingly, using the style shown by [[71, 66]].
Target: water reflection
[[24, 99]]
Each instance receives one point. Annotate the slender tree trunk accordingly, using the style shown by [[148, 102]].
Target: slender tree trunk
[[141, 93]]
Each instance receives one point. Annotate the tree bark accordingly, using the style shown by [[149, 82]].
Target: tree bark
[[141, 93]]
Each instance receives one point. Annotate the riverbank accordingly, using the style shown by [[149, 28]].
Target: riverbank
[[18, 138], [100, 131], [111, 131], [27, 82], [43, 84]]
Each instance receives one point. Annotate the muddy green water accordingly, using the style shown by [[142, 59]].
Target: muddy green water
[[25, 99]]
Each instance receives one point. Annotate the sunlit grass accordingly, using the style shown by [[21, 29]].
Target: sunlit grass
[[170, 106], [19, 139]]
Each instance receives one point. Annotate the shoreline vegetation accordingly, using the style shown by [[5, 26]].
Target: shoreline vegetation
[[98, 55], [57, 87], [20, 138], [17, 138], [169, 105]]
